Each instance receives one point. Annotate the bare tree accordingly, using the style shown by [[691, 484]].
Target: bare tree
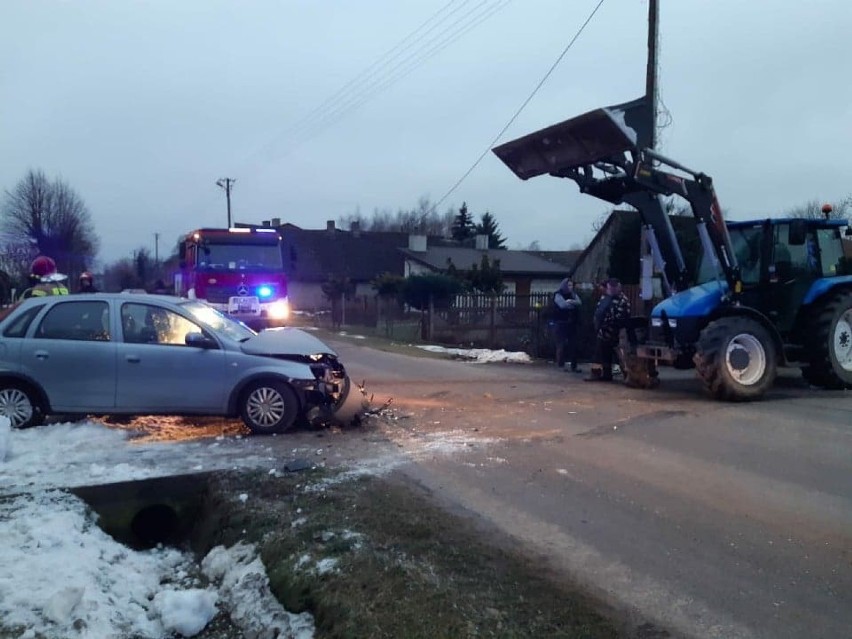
[[812, 210], [422, 219], [54, 218]]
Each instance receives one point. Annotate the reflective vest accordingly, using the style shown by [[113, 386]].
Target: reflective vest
[[44, 289]]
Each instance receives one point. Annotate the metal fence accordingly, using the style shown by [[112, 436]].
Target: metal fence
[[510, 321]]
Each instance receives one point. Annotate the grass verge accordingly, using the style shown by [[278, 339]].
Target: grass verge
[[376, 557]]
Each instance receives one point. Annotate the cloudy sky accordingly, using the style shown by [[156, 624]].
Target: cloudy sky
[[142, 106]]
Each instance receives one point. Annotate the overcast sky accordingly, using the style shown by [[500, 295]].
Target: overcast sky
[[142, 106]]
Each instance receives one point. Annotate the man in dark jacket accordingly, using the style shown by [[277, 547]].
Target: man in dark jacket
[[566, 320], [611, 313]]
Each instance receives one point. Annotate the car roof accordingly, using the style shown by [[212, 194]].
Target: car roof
[[134, 297]]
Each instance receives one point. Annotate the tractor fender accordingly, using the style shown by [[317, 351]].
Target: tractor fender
[[730, 310], [825, 285]]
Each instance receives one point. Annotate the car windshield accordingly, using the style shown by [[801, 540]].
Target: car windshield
[[239, 257], [218, 322]]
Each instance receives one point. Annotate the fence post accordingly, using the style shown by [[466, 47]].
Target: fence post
[[492, 328], [430, 326]]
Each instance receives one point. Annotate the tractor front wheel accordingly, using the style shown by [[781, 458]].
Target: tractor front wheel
[[829, 343], [735, 357]]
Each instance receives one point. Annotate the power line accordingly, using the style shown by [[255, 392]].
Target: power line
[[371, 83], [522, 107], [404, 68], [368, 71]]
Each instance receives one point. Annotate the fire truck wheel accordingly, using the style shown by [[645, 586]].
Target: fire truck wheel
[[268, 407]]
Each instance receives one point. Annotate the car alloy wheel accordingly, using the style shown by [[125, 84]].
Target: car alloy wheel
[[17, 406], [269, 407]]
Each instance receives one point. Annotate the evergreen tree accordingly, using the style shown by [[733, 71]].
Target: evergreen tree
[[463, 227], [487, 277], [488, 226]]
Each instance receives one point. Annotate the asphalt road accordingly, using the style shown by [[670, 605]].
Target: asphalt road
[[710, 519]]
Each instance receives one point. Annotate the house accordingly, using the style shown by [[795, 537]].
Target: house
[[615, 250], [312, 257], [524, 273]]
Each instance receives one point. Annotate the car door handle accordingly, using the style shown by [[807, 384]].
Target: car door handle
[[41, 355], [133, 359]]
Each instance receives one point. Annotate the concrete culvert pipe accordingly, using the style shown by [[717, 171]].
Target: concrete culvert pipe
[[155, 524]]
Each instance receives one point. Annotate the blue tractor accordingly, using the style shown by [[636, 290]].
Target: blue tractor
[[767, 293]]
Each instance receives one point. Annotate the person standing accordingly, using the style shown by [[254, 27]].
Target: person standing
[[611, 313], [43, 270], [87, 283], [566, 320]]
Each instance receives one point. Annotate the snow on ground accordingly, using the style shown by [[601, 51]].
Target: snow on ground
[[481, 355], [61, 576], [64, 577]]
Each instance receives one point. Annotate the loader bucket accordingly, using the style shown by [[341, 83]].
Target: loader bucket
[[580, 141]]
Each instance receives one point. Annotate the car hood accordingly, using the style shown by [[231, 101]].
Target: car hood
[[285, 341]]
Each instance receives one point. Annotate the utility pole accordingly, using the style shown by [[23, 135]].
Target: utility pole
[[226, 183], [156, 248], [651, 73]]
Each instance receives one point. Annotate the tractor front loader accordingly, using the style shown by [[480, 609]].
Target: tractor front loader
[[768, 293]]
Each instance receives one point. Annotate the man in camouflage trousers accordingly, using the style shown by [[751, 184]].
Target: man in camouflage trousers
[[611, 314]]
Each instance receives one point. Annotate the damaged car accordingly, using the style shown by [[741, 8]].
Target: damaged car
[[122, 354]]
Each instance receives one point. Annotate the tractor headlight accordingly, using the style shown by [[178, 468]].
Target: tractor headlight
[[657, 322]]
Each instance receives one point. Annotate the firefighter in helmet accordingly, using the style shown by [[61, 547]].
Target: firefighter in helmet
[[87, 283], [48, 281]]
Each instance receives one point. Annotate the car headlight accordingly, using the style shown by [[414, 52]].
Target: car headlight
[[278, 310]]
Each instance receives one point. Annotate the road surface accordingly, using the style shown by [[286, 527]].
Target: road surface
[[710, 519]]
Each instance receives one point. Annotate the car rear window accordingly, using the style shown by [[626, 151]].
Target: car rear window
[[19, 325]]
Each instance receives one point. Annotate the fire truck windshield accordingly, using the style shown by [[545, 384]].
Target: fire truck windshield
[[239, 257]]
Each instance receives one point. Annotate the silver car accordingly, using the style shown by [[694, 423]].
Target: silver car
[[114, 353]]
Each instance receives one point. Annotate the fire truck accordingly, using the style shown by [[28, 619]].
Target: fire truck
[[238, 271]]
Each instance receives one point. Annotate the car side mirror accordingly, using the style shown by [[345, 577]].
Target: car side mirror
[[797, 233], [199, 340]]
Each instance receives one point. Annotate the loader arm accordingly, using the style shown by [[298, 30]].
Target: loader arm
[[606, 153]]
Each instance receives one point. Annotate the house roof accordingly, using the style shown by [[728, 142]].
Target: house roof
[[565, 258], [314, 255], [511, 262]]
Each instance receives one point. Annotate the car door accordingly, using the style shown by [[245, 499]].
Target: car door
[[158, 372], [71, 354]]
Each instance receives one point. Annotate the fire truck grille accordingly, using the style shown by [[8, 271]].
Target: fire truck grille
[[220, 294]]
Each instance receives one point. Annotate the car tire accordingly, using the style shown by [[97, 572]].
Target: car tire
[[20, 404], [269, 407]]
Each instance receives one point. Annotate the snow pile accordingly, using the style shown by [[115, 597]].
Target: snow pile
[[481, 355], [85, 453], [63, 576], [245, 589]]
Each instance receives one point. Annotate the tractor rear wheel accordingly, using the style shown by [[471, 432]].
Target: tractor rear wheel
[[828, 343], [735, 357]]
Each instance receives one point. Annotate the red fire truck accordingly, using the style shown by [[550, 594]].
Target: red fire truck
[[238, 271]]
